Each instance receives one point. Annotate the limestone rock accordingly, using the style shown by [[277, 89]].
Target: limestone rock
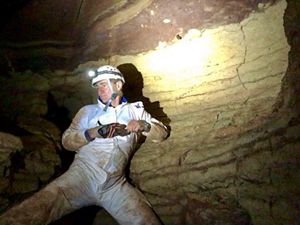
[[9, 144], [41, 159], [23, 183], [25, 93], [41, 127], [228, 88], [28, 161]]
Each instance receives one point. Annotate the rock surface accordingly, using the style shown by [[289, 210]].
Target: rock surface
[[9, 144], [227, 88], [56, 34], [27, 162]]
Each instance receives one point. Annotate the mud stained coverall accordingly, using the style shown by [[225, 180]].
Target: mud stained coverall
[[96, 177]]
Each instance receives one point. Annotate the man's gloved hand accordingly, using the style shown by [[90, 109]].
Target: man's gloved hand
[[106, 131], [112, 130], [138, 126], [92, 133]]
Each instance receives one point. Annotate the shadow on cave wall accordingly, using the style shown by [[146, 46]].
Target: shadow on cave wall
[[133, 91]]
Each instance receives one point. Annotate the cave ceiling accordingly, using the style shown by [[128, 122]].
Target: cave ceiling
[[58, 34]]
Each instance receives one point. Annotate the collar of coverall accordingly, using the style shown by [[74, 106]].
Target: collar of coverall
[[123, 100]]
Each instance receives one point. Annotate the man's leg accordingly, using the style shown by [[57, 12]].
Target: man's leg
[[41, 208], [60, 197], [129, 206]]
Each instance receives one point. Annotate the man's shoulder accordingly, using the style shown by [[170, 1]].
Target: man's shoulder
[[89, 107], [137, 105]]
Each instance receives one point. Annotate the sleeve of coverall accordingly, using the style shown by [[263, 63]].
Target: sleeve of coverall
[[158, 131], [73, 138]]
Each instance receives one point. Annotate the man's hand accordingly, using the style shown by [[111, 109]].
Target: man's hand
[[106, 131], [112, 130], [92, 133], [138, 126]]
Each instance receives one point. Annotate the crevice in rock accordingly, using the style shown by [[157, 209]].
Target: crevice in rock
[[244, 57], [59, 115]]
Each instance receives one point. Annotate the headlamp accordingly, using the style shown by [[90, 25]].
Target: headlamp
[[91, 73]]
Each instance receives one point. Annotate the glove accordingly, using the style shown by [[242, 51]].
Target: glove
[[112, 130], [106, 131], [138, 126]]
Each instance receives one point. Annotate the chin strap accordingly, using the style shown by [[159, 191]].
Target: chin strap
[[113, 97]]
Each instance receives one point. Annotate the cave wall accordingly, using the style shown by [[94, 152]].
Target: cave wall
[[227, 138], [56, 34], [230, 98]]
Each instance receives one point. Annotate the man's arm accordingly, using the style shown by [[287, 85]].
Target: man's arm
[[158, 131], [150, 127], [73, 138]]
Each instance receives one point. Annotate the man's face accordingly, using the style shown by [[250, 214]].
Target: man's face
[[104, 91]]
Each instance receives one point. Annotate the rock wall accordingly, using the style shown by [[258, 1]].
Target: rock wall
[[229, 94], [230, 142], [29, 143], [233, 145], [9, 145], [28, 162]]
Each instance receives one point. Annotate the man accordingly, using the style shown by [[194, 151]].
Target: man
[[104, 135]]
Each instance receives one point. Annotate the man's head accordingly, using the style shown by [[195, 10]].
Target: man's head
[[108, 80], [107, 72]]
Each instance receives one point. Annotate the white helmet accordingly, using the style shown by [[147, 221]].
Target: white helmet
[[107, 72]]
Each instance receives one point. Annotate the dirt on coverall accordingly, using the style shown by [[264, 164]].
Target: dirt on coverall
[[96, 177]]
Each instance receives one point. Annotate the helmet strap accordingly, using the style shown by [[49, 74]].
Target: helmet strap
[[113, 95]]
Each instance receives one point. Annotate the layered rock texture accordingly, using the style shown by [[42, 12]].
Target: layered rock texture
[[28, 162], [223, 75]]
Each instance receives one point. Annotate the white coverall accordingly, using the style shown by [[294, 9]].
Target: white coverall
[[96, 177]]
